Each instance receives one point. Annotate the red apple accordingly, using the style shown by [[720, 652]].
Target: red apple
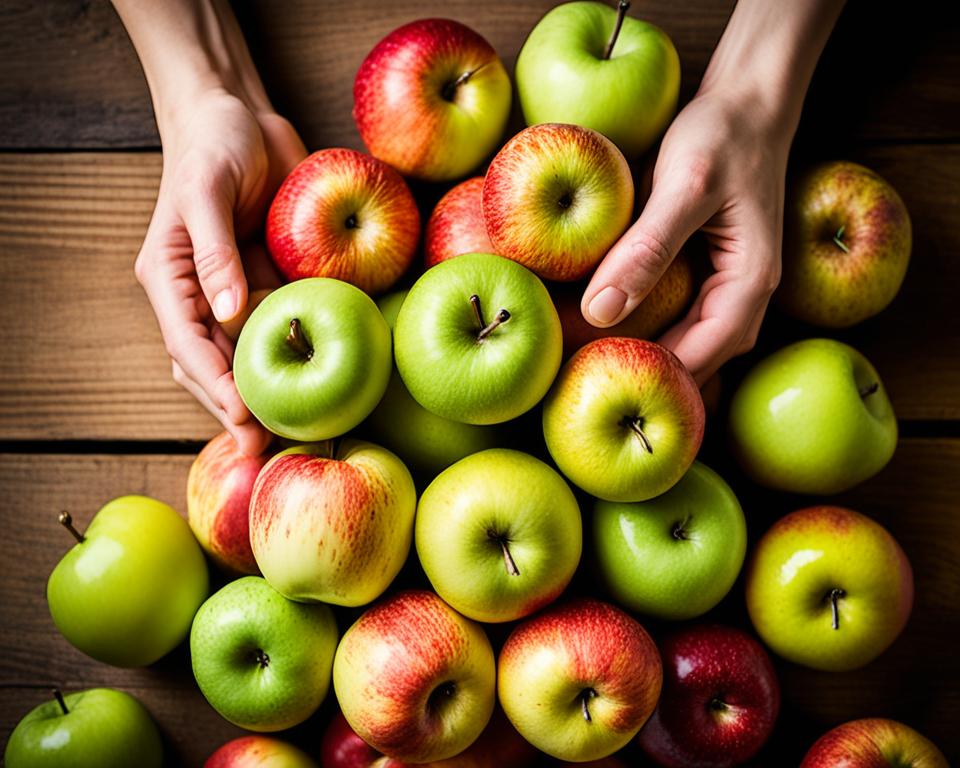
[[259, 752], [432, 99], [719, 703], [218, 502], [579, 679], [346, 215], [415, 679], [555, 198], [873, 743], [457, 225], [342, 748], [606, 762]]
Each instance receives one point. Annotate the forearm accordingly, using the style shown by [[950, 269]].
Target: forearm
[[767, 55], [188, 47]]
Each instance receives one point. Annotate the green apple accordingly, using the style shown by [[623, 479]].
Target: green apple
[[498, 535], [262, 661], [126, 593], [98, 728], [624, 419], [674, 556], [313, 359], [814, 418], [478, 339], [585, 63], [829, 588], [426, 442]]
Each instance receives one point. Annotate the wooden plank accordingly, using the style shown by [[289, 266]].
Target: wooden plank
[[71, 78], [915, 497]]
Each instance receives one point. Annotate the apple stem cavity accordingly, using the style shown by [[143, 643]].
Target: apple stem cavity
[[679, 530], [261, 658], [508, 560], [585, 695], [869, 390], [63, 704], [67, 522], [487, 328], [838, 240], [449, 91], [636, 424], [297, 341], [622, 7], [835, 595]]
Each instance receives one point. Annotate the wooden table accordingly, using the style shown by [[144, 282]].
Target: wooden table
[[88, 410]]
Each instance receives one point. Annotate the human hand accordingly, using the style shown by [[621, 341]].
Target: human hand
[[222, 162]]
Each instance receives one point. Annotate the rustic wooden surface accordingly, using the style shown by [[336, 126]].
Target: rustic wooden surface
[[88, 410]]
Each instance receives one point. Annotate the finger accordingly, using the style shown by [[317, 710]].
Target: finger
[[676, 209], [207, 212]]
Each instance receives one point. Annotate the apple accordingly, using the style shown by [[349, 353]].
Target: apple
[[499, 535], [846, 245], [555, 198], [828, 588], [234, 325], [427, 443], [97, 728], [415, 679], [342, 748], [262, 661], [662, 306], [719, 702], [874, 743], [332, 528], [313, 360], [457, 225], [259, 752], [126, 592], [432, 99], [624, 419], [812, 417], [579, 680], [345, 215], [218, 503], [674, 556], [588, 64], [478, 339]]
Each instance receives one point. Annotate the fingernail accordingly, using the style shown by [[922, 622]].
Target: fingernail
[[607, 305], [225, 304]]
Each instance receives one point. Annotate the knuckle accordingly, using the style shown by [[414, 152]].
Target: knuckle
[[649, 252], [178, 374], [213, 258], [141, 268], [700, 175]]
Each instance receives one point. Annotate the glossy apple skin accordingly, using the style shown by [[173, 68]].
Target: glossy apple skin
[[345, 215], [332, 389], [443, 364], [874, 743], [821, 283], [719, 703], [126, 595], [332, 529], [555, 198], [246, 621], [603, 384], [218, 503], [103, 728], [674, 556], [259, 752], [797, 563], [457, 225], [462, 513], [341, 747], [551, 659], [662, 306], [415, 679], [401, 110], [798, 421], [562, 76]]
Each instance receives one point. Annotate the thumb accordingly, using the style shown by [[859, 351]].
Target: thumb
[[639, 258], [208, 217]]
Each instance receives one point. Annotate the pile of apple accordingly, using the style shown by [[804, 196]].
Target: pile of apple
[[428, 391]]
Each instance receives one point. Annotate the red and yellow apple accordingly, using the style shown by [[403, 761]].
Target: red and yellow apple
[[874, 743], [457, 225], [259, 752]]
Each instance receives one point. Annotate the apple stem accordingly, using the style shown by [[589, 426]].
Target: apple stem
[[835, 595], [67, 522], [622, 7], [869, 389], [585, 695], [475, 301], [450, 89], [297, 341], [59, 697], [679, 529], [636, 424], [838, 240], [485, 328], [505, 548]]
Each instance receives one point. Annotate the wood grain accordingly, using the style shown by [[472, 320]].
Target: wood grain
[[71, 78]]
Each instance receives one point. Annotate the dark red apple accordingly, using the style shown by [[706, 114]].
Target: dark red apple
[[719, 702], [873, 743], [342, 748]]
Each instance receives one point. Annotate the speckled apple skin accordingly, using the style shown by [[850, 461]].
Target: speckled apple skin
[[456, 225], [259, 752], [394, 657], [874, 743]]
